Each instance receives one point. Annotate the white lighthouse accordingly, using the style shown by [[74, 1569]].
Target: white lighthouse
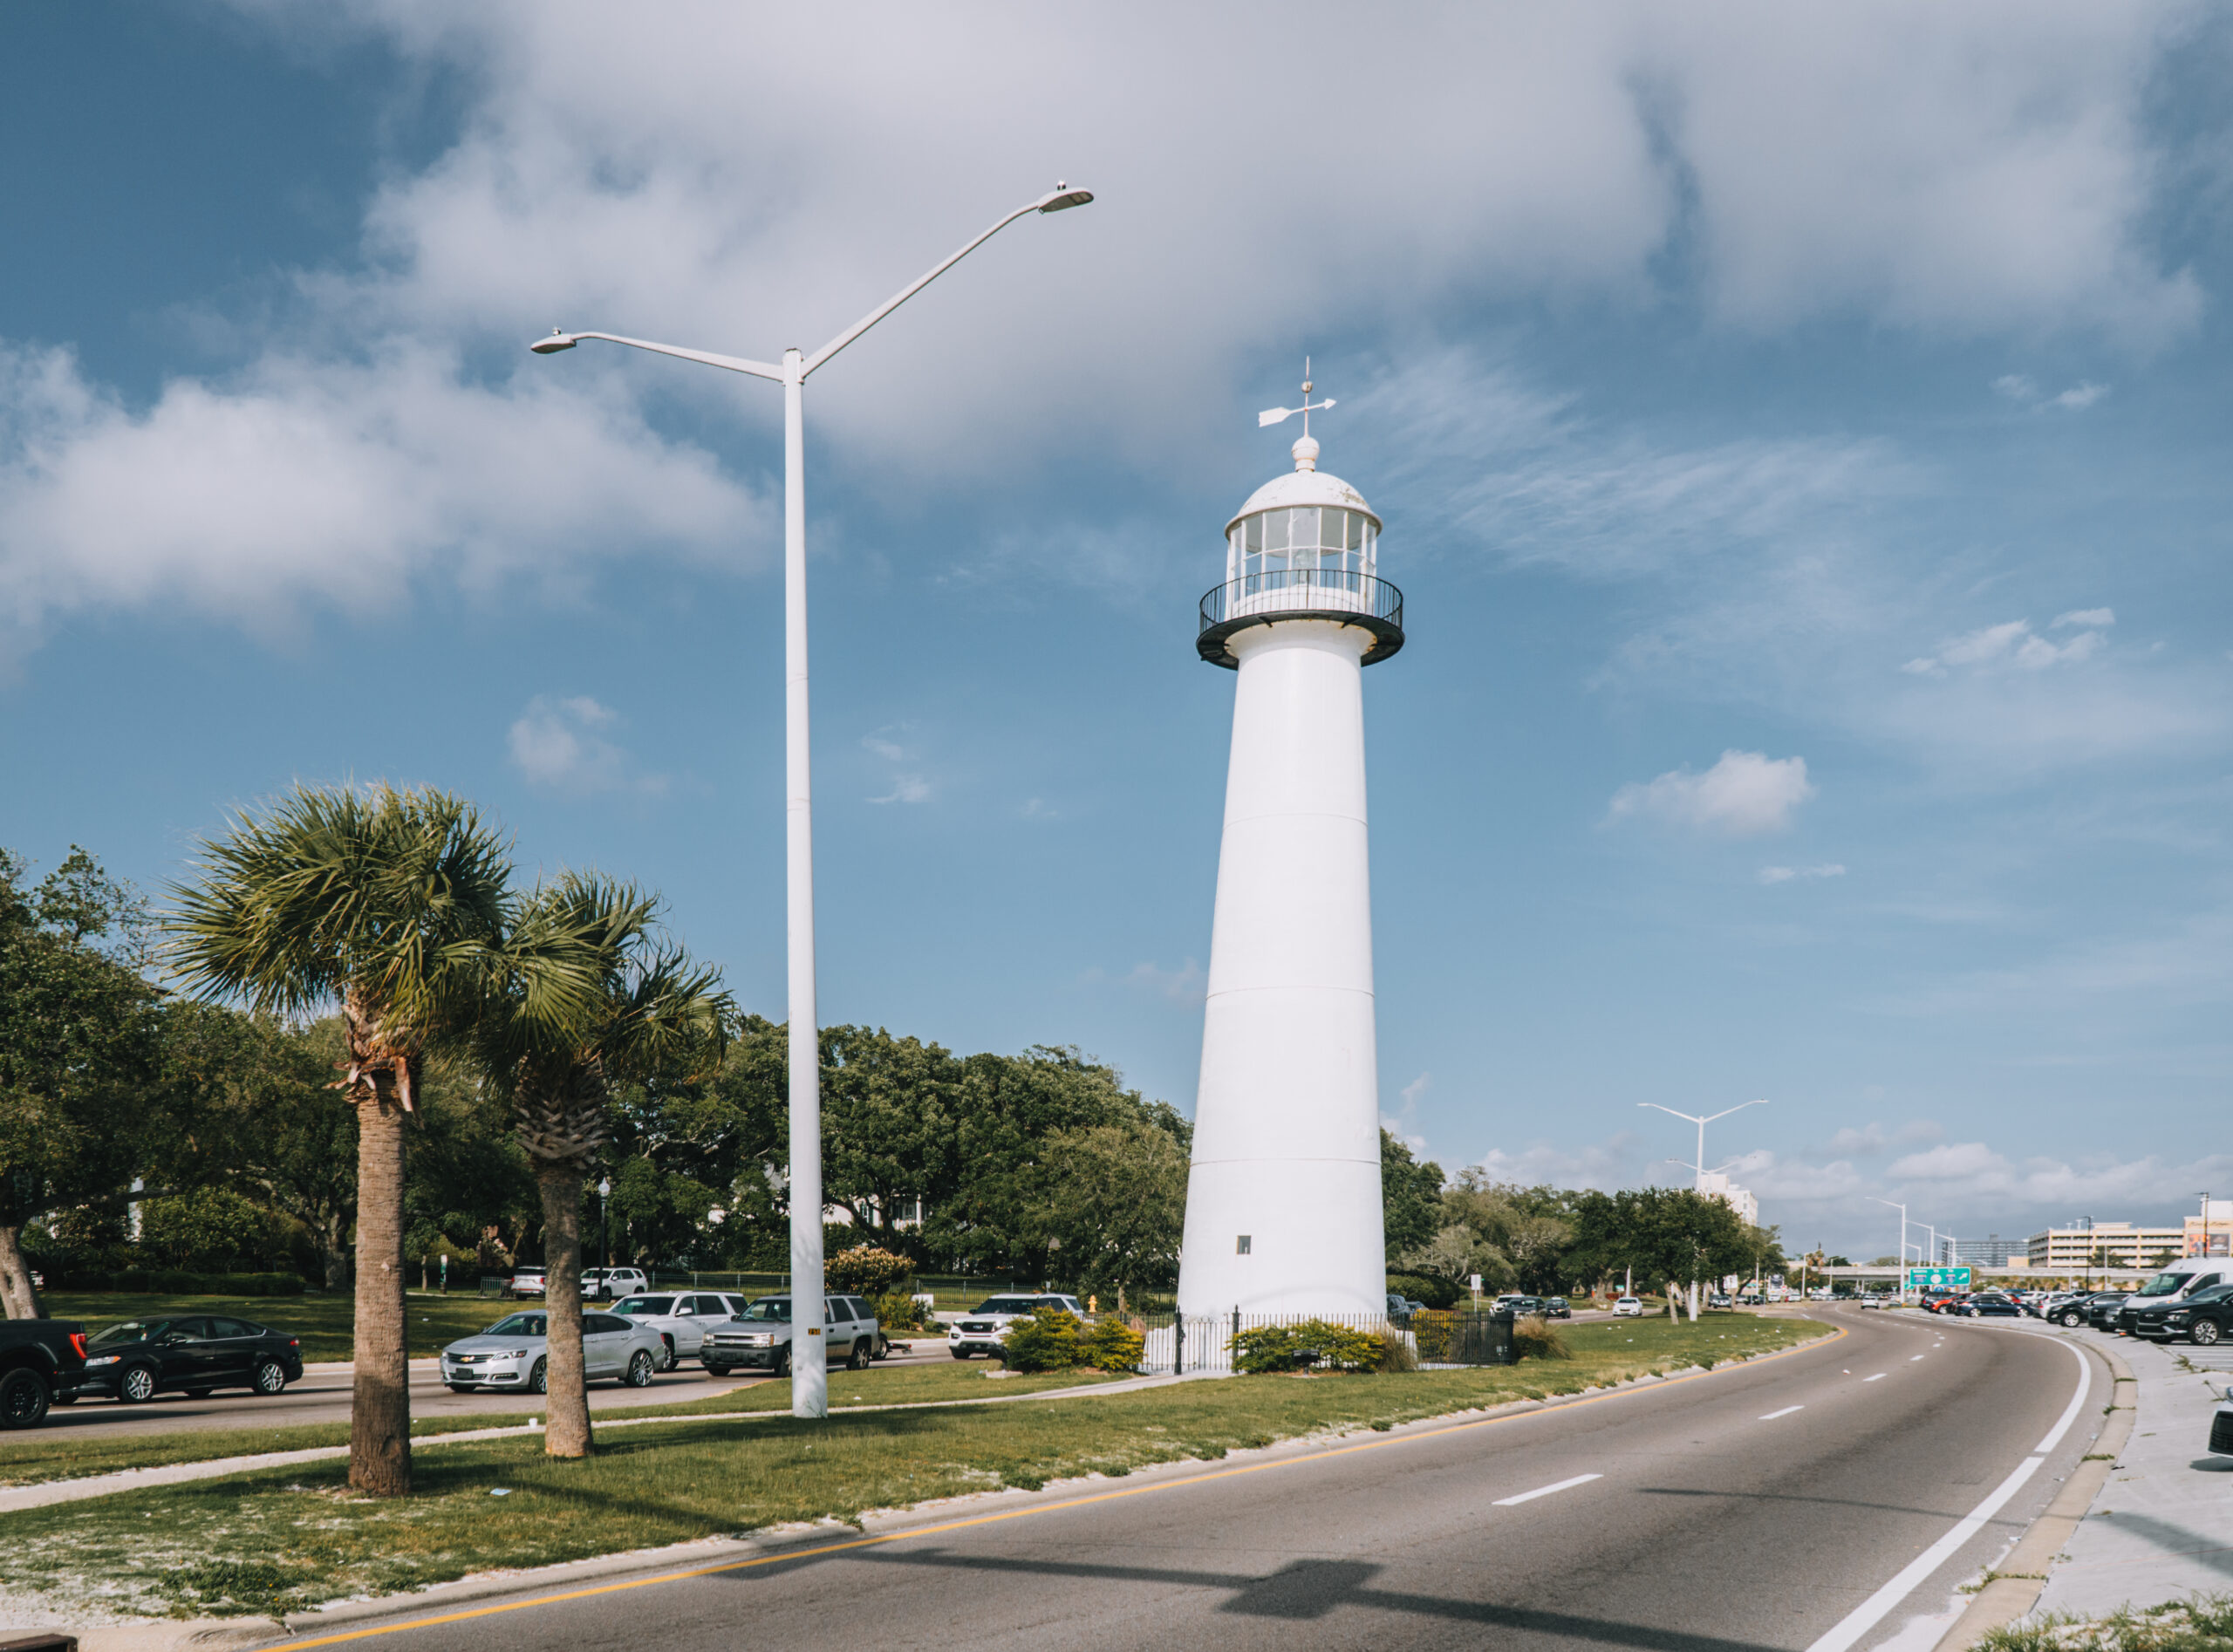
[[1283, 1199]]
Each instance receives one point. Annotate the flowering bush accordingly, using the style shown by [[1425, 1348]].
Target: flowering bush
[[1305, 1345]]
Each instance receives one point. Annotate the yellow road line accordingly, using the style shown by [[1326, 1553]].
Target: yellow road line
[[1017, 1514]]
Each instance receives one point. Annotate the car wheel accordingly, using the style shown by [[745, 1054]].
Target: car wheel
[[783, 1367], [136, 1386], [717, 1370], [639, 1369], [24, 1399], [2205, 1332], [2068, 1322], [269, 1378], [668, 1358], [961, 1353], [538, 1380], [864, 1351], [883, 1346]]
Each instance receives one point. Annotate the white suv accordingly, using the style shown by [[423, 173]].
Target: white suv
[[681, 1318], [982, 1328], [603, 1284]]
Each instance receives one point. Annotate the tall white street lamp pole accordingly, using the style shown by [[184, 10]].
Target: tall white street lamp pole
[[1701, 1123], [1903, 1240], [809, 1369]]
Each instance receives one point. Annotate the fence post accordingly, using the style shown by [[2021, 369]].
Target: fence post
[[1177, 1344], [1236, 1336]]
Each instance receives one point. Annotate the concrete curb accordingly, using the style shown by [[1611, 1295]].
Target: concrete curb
[[2020, 1579]]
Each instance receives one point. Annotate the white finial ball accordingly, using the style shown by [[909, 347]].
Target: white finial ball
[[1306, 453]]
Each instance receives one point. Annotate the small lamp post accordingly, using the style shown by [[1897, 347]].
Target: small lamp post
[[605, 1213]]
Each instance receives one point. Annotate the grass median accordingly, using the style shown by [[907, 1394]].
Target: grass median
[[286, 1539], [47, 1454]]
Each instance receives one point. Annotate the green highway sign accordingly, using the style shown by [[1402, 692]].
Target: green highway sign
[[1955, 1279]]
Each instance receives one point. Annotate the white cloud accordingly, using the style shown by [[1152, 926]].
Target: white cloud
[[1188, 984], [2081, 396], [1787, 874], [1744, 794], [301, 482], [2014, 643], [560, 744], [906, 788]]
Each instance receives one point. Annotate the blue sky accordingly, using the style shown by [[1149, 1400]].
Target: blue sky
[[1801, 438]]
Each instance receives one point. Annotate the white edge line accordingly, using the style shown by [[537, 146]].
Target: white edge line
[[1786, 1411], [1872, 1611], [1546, 1490]]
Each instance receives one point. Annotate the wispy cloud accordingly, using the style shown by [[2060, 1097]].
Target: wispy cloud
[[908, 785], [2014, 645], [1790, 874], [1185, 985], [562, 744], [2018, 388], [1744, 794]]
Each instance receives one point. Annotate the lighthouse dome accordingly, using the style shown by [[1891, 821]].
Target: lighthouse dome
[[1303, 486]]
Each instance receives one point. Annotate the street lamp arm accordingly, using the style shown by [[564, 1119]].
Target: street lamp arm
[[734, 363], [1055, 200]]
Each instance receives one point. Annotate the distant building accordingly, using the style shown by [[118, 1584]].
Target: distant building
[[2212, 1232], [2092, 1244], [1714, 1185], [1992, 1251]]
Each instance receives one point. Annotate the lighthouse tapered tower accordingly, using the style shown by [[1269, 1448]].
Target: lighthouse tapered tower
[[1283, 1198]]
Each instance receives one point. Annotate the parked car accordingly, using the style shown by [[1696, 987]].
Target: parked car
[[603, 1284], [2221, 1429], [1721, 1299], [2176, 1283], [528, 1281], [1986, 1305], [515, 1353], [1876, 1299], [191, 1353], [2070, 1311], [980, 1330], [41, 1363], [1399, 1309], [1557, 1307], [2101, 1309], [761, 1336], [681, 1318], [2205, 1317], [1628, 1307]]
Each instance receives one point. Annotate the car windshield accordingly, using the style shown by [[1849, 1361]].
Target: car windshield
[[130, 1331], [1005, 1305], [773, 1310], [645, 1305], [518, 1325], [2164, 1283]]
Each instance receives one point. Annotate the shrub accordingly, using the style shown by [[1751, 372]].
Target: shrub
[[1396, 1352], [1046, 1340], [1306, 1344], [1112, 1345], [1431, 1330], [868, 1270], [1533, 1339], [898, 1311], [1424, 1287]]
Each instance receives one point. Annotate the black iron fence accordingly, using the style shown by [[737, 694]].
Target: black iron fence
[[1222, 1343]]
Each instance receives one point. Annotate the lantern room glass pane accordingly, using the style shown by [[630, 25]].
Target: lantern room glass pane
[[1253, 528]]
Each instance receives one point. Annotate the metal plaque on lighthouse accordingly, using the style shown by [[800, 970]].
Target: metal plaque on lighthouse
[[1283, 1196]]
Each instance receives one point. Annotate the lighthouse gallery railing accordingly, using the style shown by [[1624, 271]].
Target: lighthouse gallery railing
[[1364, 600]]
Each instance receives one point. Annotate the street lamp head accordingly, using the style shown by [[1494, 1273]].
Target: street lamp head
[[1063, 198], [556, 342]]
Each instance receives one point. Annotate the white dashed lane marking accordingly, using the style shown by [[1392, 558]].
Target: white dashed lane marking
[[1546, 1490], [1786, 1411], [1879, 1377]]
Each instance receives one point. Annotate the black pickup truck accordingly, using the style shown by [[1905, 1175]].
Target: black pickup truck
[[39, 1359]]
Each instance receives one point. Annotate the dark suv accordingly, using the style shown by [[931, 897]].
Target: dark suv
[[190, 1352], [2205, 1317], [39, 1362]]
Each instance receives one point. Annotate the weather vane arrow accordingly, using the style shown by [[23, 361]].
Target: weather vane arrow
[[1273, 416]]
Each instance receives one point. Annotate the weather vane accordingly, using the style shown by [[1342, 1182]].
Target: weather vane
[[1273, 416]]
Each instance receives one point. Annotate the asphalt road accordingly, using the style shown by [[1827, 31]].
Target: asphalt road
[[1761, 1507], [322, 1396]]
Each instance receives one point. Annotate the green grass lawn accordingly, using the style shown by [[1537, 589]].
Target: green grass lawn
[[44, 1455], [325, 1322], [287, 1537]]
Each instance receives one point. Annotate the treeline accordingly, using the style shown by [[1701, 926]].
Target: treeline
[[169, 1134], [1548, 1240]]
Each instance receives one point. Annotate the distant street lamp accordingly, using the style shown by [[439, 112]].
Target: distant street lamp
[[605, 1215], [810, 1377], [1702, 1122], [1903, 1240]]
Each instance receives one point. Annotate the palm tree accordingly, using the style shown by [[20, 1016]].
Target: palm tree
[[621, 1003], [387, 902]]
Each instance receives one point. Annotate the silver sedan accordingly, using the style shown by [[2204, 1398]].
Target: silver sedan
[[514, 1354]]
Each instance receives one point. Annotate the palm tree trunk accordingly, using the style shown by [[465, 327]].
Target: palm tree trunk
[[566, 1423], [19, 1296], [379, 1411]]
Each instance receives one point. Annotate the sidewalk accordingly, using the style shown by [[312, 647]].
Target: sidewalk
[[2162, 1528]]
